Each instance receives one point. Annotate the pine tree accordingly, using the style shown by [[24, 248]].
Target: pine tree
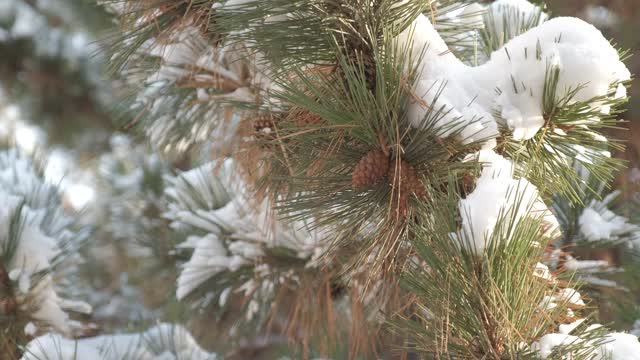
[[372, 179]]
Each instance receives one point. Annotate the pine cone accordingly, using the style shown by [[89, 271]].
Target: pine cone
[[359, 51], [304, 118], [263, 124], [405, 181], [404, 178], [370, 169], [369, 65], [466, 184]]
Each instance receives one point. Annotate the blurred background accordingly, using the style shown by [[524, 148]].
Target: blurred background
[[58, 102]]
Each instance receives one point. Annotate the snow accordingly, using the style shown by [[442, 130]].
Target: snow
[[615, 346], [27, 22], [568, 328], [31, 204], [571, 296], [439, 88], [494, 201], [620, 346], [30, 329], [217, 75], [224, 296], [568, 297], [211, 199], [28, 137], [59, 163], [182, 50], [48, 310], [548, 303], [494, 165], [598, 223], [472, 14], [80, 195], [16, 129], [542, 271], [545, 345], [578, 49], [516, 14], [511, 81], [55, 347], [522, 6], [497, 198], [596, 281], [593, 226], [233, 232], [165, 341], [79, 307], [34, 253], [572, 263], [209, 257]]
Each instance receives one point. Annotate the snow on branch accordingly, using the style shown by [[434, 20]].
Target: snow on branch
[[537, 102], [499, 197], [230, 234], [192, 89], [35, 237], [576, 339], [508, 89], [599, 223], [164, 341]]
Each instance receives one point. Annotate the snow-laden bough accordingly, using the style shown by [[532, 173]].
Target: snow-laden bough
[[508, 89]]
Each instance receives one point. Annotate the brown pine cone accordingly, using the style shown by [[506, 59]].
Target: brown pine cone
[[404, 178], [370, 169], [263, 124], [370, 71], [466, 184], [368, 65], [304, 118]]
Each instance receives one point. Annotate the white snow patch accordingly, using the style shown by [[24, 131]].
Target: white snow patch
[[165, 341], [30, 329], [516, 13], [544, 346], [620, 346], [571, 296], [599, 223], [542, 271], [27, 202], [568, 328], [497, 197], [237, 231], [616, 346], [467, 95]]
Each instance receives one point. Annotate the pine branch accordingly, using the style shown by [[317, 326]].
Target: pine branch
[[572, 130], [360, 125], [479, 305], [503, 22]]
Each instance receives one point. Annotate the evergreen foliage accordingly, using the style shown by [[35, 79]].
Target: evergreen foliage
[[353, 179]]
